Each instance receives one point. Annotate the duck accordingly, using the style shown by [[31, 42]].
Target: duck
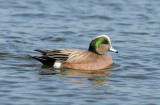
[[95, 58]]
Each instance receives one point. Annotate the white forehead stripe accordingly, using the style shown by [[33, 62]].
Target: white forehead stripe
[[107, 37]]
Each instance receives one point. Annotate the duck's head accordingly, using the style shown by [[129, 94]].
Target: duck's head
[[101, 44]]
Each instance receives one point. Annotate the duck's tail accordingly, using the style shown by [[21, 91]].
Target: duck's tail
[[45, 60]]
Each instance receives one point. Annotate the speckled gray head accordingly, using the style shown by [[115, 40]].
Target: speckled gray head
[[101, 44]]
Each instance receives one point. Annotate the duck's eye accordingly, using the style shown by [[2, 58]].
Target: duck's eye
[[105, 42], [100, 41]]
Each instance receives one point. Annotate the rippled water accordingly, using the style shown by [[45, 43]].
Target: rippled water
[[133, 26]]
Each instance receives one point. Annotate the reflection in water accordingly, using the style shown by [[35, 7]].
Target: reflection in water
[[95, 78]]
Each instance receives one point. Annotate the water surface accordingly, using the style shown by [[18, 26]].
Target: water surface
[[26, 25]]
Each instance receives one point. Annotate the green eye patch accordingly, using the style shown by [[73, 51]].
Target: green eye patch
[[99, 41]]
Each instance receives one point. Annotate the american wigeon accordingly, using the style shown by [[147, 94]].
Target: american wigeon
[[93, 59]]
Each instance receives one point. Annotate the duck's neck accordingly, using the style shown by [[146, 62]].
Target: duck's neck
[[101, 49], [92, 48]]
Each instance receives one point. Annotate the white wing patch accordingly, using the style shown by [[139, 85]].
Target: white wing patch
[[57, 64]]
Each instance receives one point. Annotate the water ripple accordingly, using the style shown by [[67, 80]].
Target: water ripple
[[27, 25]]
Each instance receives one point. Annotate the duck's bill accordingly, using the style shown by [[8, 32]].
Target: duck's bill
[[113, 50]]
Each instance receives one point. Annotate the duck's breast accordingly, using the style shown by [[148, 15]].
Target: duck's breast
[[101, 62]]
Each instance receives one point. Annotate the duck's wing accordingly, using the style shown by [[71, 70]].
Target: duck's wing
[[50, 56], [54, 54], [81, 56], [66, 55]]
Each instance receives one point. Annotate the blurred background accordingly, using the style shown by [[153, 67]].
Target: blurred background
[[133, 26]]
